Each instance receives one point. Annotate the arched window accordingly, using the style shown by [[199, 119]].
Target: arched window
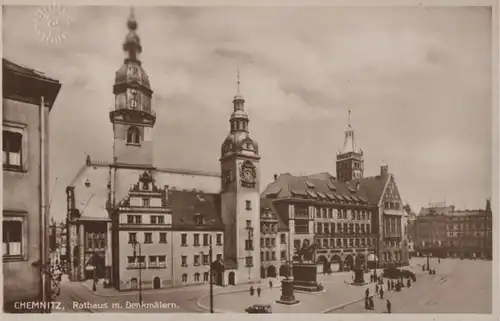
[[133, 135], [205, 277], [197, 277], [184, 278]]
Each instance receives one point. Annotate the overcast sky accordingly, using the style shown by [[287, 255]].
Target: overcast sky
[[418, 81]]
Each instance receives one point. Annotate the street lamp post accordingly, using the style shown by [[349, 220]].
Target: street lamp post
[[136, 244], [211, 277]]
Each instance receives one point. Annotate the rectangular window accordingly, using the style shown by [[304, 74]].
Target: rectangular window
[[152, 259], [325, 243], [145, 202], [196, 239], [273, 256], [14, 236], [163, 237], [184, 260], [283, 255], [152, 219], [130, 259], [262, 256], [196, 260], [205, 239], [13, 153], [130, 219], [183, 239], [249, 261], [138, 219], [162, 261], [161, 219], [132, 238], [248, 245], [219, 239], [205, 259], [248, 205], [283, 239], [267, 256], [219, 257], [148, 238]]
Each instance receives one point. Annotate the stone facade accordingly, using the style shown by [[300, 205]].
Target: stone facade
[[23, 254]]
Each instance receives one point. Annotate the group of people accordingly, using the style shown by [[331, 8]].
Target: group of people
[[379, 289], [252, 290]]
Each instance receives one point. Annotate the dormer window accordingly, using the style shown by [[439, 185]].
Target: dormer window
[[145, 202], [133, 135], [199, 219], [310, 185], [145, 185]]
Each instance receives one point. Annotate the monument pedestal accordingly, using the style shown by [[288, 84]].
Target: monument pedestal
[[305, 277], [359, 277], [287, 296]]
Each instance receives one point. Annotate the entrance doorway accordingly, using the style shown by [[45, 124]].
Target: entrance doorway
[[156, 283], [231, 278]]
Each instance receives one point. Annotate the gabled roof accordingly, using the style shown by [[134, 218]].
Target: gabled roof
[[91, 200], [267, 203], [188, 205], [316, 185]]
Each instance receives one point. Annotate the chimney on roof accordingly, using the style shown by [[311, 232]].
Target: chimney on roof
[[88, 161], [384, 169], [275, 177], [488, 205]]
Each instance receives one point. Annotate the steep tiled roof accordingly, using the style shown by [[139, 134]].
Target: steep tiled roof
[[323, 184], [267, 203], [91, 200], [187, 205]]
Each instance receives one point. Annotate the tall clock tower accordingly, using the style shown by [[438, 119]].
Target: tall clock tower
[[240, 197], [132, 118]]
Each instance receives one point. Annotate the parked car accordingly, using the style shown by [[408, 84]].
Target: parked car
[[259, 308]]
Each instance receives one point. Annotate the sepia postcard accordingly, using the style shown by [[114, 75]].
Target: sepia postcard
[[252, 158]]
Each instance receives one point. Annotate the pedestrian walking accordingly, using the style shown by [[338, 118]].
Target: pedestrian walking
[[367, 304], [367, 292], [376, 288], [270, 284], [258, 292], [251, 290], [372, 306], [408, 283], [381, 293], [388, 285], [388, 305]]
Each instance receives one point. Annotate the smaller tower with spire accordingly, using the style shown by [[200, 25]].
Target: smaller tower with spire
[[240, 195], [350, 163]]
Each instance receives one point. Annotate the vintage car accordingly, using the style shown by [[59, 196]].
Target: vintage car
[[259, 308]]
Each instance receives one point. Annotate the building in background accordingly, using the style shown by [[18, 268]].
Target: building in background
[[275, 245], [28, 97], [352, 219], [57, 243], [446, 232]]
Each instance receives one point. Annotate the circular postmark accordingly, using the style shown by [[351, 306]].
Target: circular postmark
[[52, 23]]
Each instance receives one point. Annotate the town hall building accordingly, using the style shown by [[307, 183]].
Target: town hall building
[[133, 223]]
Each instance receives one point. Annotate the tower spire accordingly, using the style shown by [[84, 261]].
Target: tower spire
[[132, 44], [349, 118], [238, 80]]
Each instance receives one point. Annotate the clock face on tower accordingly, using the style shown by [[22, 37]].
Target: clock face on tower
[[248, 174]]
